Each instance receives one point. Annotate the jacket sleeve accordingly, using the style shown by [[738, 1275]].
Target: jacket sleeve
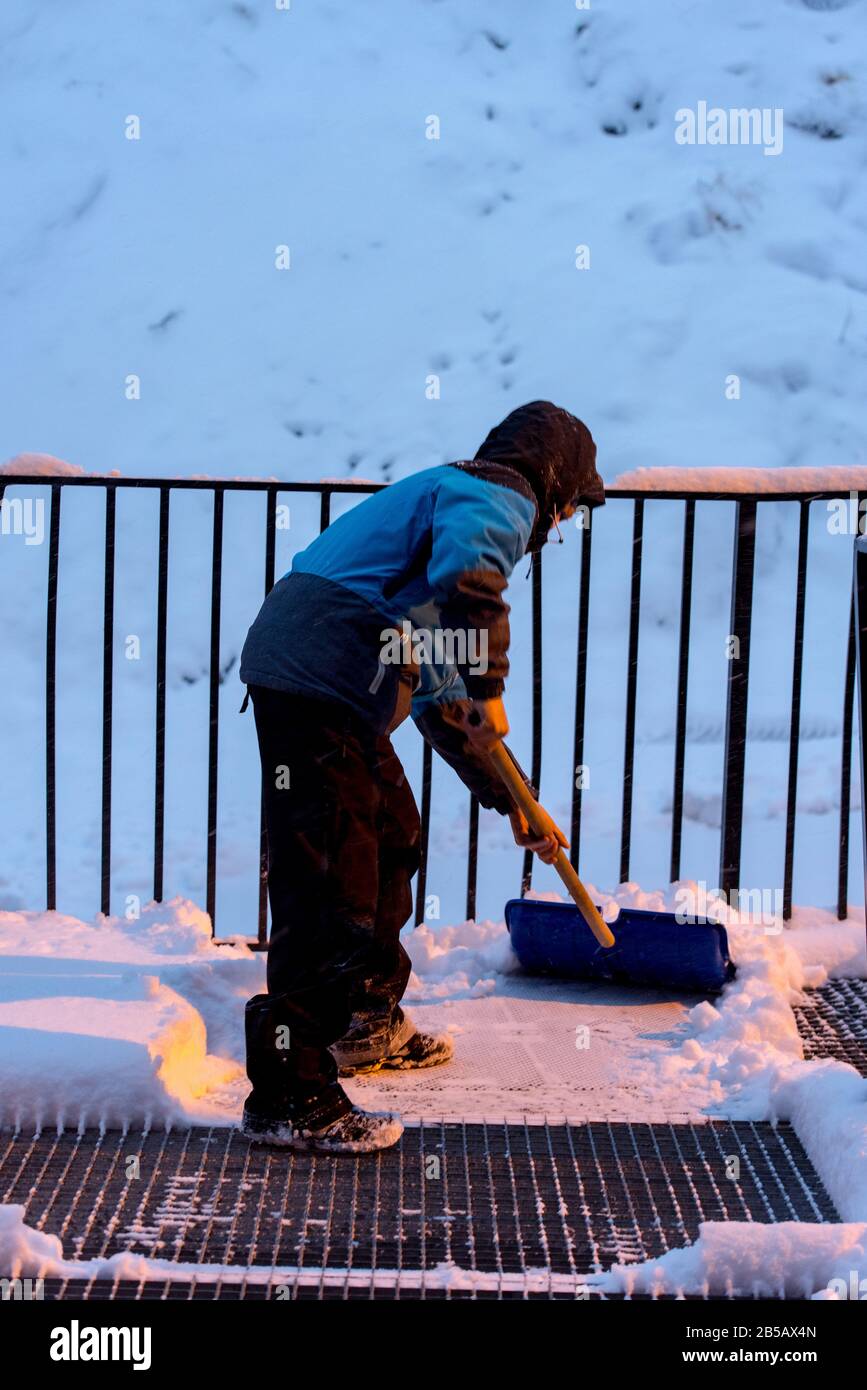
[[439, 688], [479, 531], [472, 767]]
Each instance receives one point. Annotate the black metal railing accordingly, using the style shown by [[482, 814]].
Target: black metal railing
[[859, 642], [746, 507]]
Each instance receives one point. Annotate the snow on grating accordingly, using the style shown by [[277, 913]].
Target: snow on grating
[[455, 1211], [518, 1055]]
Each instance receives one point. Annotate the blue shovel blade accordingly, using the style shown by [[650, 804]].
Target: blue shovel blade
[[651, 948]]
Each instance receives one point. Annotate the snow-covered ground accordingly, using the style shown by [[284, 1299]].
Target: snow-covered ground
[[308, 127], [414, 264]]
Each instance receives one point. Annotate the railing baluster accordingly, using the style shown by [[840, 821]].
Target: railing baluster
[[682, 690], [472, 859], [107, 695], [846, 770], [536, 765], [160, 741], [51, 704], [270, 564], [859, 587], [270, 540], [631, 687], [324, 510], [214, 710], [580, 693], [424, 835], [743, 567], [795, 718]]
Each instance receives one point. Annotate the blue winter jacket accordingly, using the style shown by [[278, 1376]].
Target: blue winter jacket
[[434, 552], [426, 558]]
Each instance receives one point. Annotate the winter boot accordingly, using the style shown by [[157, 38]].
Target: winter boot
[[353, 1131], [418, 1050], [285, 1110]]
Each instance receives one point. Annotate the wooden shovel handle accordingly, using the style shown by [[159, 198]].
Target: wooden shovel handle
[[539, 820]]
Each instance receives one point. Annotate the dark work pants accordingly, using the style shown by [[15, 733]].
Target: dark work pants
[[343, 836]]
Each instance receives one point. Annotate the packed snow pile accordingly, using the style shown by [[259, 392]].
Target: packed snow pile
[[792, 1259], [449, 961], [25, 1252], [115, 1022], [98, 1051]]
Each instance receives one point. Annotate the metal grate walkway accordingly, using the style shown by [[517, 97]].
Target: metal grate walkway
[[456, 1211], [832, 1022]]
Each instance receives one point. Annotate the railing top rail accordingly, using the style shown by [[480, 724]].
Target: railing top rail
[[216, 484], [730, 495], [351, 486]]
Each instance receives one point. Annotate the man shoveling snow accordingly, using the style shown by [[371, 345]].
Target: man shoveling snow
[[396, 608]]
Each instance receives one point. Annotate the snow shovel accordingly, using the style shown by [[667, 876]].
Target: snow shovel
[[539, 820], [651, 948]]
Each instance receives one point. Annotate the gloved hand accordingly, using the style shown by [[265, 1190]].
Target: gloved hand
[[483, 721], [547, 847]]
